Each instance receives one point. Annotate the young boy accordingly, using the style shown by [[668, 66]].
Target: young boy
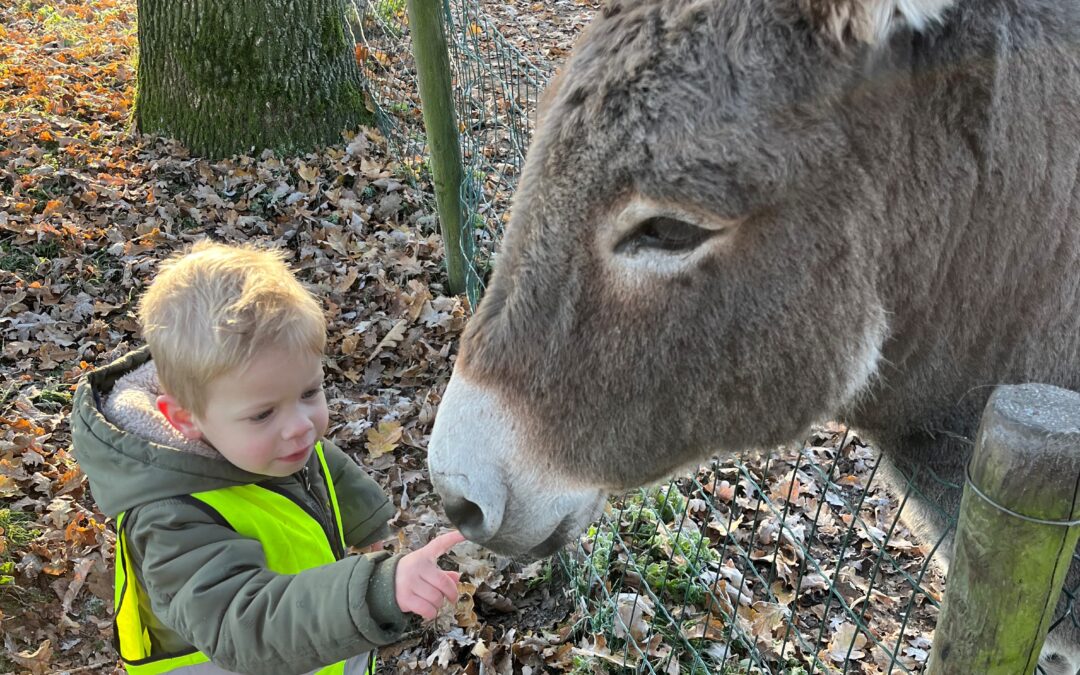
[[233, 513]]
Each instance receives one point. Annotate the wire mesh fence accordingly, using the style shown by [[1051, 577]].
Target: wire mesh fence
[[496, 88], [794, 562]]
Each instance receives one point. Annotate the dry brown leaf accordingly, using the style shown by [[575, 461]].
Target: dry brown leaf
[[347, 280], [82, 569], [392, 338], [765, 618], [384, 438], [633, 613], [464, 612], [846, 644], [38, 662], [708, 627], [308, 173], [349, 343]]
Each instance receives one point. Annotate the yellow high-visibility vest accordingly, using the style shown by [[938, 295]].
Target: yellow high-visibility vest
[[292, 540]]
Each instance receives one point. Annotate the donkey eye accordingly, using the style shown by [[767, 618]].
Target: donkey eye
[[664, 234]]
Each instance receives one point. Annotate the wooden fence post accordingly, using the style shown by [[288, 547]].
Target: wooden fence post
[[1014, 540], [437, 101]]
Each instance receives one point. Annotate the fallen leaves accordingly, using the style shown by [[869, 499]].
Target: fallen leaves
[[37, 661], [846, 645], [392, 338], [383, 439], [633, 611], [87, 211]]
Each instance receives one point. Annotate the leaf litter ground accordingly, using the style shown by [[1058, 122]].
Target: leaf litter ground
[[88, 210]]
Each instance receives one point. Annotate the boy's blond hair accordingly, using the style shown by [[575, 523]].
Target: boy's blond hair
[[211, 310]]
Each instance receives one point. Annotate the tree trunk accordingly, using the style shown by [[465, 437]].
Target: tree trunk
[[239, 76]]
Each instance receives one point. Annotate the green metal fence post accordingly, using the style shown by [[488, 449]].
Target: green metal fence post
[[433, 71], [1015, 537]]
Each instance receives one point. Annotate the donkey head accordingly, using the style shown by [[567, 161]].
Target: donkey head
[[689, 265]]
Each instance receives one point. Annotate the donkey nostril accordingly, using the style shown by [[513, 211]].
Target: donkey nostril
[[475, 503], [468, 516]]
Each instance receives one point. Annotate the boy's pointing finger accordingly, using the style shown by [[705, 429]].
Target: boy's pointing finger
[[443, 543]]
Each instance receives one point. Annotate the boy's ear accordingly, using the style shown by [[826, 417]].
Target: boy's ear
[[179, 416], [871, 22]]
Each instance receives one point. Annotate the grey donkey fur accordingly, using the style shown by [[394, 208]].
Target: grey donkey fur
[[739, 217]]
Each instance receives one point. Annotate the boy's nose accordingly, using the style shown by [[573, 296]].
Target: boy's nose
[[298, 426]]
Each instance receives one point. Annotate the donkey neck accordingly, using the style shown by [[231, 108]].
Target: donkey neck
[[967, 165]]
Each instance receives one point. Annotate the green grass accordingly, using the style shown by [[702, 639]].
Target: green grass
[[68, 29], [24, 260], [15, 259], [72, 29], [46, 250], [545, 576], [389, 12], [18, 531], [53, 397], [669, 559]]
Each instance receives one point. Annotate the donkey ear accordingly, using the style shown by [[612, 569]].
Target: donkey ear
[[871, 21]]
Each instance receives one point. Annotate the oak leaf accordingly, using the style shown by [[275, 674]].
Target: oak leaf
[[384, 438]]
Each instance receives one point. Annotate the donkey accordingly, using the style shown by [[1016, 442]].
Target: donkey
[[739, 217]]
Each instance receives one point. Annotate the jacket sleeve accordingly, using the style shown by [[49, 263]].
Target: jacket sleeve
[[211, 586], [365, 508]]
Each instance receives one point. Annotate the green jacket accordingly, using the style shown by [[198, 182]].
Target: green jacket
[[207, 586]]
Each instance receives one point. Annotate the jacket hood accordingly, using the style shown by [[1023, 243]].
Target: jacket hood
[[127, 449]]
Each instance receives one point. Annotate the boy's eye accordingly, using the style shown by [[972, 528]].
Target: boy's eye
[[262, 416], [312, 393]]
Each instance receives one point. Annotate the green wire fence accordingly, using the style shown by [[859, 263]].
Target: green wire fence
[[754, 574], [496, 86], [795, 562]]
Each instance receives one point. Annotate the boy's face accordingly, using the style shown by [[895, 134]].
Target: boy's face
[[266, 417]]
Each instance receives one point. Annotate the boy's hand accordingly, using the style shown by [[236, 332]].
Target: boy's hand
[[420, 586]]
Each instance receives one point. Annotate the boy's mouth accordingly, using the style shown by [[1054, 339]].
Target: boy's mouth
[[296, 456]]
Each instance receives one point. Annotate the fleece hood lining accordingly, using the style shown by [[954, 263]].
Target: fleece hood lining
[[132, 406]]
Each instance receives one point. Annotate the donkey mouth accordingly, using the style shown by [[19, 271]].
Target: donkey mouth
[[570, 525], [555, 541]]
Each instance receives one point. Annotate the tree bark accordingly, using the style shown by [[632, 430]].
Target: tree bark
[[240, 76]]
